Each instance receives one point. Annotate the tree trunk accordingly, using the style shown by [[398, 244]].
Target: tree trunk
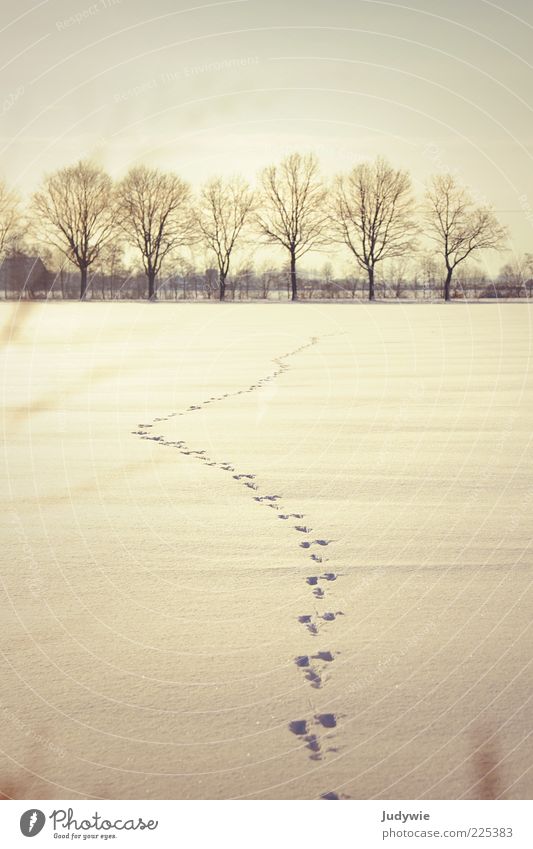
[[371, 290], [222, 287], [84, 283], [294, 281], [151, 286], [448, 284]]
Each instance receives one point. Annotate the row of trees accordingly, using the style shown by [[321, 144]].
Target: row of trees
[[371, 211], [28, 277]]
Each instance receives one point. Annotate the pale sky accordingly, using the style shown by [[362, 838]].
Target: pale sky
[[224, 87]]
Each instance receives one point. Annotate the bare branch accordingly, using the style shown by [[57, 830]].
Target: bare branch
[[74, 205], [154, 213], [10, 218], [457, 226], [293, 210], [372, 213], [224, 210]]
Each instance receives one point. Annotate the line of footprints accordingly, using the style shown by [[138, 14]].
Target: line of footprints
[[313, 667]]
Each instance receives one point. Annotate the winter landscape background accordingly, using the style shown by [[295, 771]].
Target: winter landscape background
[[266, 551], [277, 547]]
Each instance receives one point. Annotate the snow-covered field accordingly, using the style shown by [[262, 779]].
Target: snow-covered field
[[266, 551]]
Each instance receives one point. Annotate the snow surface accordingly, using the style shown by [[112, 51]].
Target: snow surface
[[160, 634]]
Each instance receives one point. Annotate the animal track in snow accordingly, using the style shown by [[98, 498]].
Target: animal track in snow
[[312, 673], [327, 576], [307, 620], [312, 665], [330, 617], [327, 720], [307, 544], [302, 729], [326, 656], [318, 558], [298, 727], [314, 678], [314, 745]]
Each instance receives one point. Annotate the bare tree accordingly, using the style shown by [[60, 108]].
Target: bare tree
[[468, 280], [75, 206], [154, 213], [397, 274], [223, 211], [514, 278], [372, 212], [60, 264], [10, 217], [267, 278], [293, 211], [210, 281], [528, 267], [428, 265], [10, 227], [458, 226], [114, 266], [110, 268]]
